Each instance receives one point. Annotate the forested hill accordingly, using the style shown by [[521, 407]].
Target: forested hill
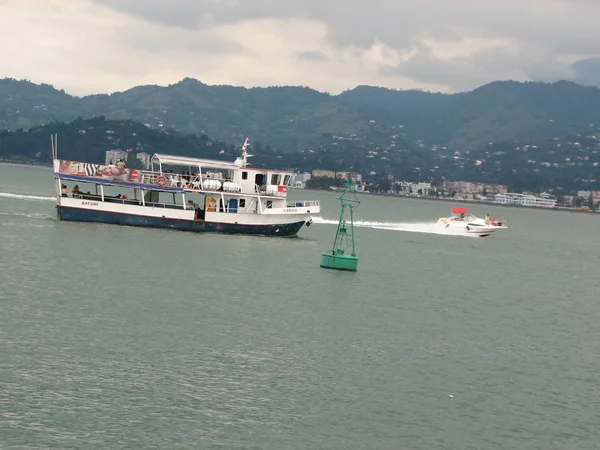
[[88, 140], [292, 118], [561, 164]]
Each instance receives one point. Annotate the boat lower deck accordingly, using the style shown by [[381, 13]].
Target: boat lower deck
[[121, 218]]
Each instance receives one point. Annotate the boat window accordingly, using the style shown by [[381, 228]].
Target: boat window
[[170, 199], [286, 180], [242, 202], [275, 178], [269, 203], [244, 175]]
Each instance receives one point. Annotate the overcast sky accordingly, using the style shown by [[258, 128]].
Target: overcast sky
[[99, 46]]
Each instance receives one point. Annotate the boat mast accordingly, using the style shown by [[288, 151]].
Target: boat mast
[[245, 154]]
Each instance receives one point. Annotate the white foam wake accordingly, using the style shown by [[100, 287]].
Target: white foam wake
[[26, 197], [412, 227], [29, 215]]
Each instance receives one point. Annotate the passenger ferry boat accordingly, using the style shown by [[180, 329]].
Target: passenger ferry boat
[[182, 193]]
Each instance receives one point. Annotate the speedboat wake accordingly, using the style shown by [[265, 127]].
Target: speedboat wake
[[412, 227], [26, 197]]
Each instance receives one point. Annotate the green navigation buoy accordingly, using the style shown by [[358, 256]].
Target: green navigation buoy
[[343, 255]]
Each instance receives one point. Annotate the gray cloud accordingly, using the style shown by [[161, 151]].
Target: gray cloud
[[543, 32], [481, 67], [431, 44], [179, 41], [316, 56], [587, 71], [461, 73], [391, 21]]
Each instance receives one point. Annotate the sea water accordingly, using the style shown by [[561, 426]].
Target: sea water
[[121, 337]]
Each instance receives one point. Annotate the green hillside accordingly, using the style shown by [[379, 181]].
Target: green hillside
[[292, 118], [561, 164]]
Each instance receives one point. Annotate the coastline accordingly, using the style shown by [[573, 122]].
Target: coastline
[[380, 194], [472, 202], [24, 163]]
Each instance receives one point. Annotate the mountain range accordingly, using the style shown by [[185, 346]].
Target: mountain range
[[292, 118], [529, 136]]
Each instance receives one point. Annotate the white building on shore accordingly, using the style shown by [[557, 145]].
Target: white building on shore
[[415, 189], [530, 200], [299, 180]]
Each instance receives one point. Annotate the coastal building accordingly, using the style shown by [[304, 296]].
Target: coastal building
[[323, 173], [472, 187], [586, 194], [355, 177], [299, 179], [543, 201], [415, 189]]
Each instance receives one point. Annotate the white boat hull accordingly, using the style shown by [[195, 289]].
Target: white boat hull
[[475, 226], [81, 210]]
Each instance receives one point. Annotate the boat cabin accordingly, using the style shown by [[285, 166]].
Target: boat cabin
[[208, 175]]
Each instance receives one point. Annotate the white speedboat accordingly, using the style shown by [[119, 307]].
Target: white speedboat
[[462, 221]]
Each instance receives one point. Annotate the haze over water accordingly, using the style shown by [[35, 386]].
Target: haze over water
[[121, 337]]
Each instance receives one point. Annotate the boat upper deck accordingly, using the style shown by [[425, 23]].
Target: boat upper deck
[[224, 177], [189, 162], [199, 163]]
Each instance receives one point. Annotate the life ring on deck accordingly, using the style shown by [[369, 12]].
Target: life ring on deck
[[161, 180]]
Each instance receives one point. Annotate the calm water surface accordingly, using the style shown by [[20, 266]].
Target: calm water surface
[[120, 337]]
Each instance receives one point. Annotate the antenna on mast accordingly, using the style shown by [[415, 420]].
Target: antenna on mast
[[245, 153]]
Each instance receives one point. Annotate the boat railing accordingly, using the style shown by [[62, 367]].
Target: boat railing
[[207, 183], [127, 201], [272, 190], [240, 210], [168, 180], [149, 177], [303, 204], [193, 182], [124, 201]]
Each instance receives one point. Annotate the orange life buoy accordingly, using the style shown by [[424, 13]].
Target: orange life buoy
[[161, 180]]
